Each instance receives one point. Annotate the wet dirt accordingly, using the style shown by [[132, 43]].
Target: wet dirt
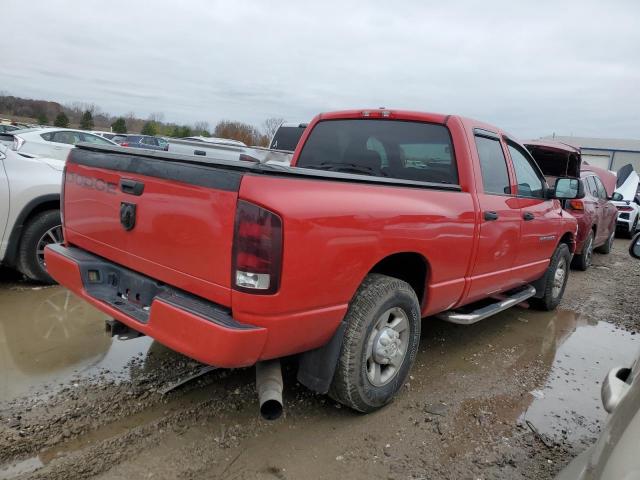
[[76, 403]]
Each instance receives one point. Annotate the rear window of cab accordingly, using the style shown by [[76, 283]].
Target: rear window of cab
[[385, 148]]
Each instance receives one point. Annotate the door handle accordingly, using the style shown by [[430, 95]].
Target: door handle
[[132, 187], [528, 216], [490, 215]]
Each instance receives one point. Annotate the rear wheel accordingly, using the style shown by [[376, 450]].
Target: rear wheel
[[43, 229], [634, 228], [557, 275], [583, 261], [380, 343], [607, 247]]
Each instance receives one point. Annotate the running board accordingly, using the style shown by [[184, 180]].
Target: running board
[[484, 312]]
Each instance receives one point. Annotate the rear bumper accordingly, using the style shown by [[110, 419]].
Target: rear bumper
[[194, 327]]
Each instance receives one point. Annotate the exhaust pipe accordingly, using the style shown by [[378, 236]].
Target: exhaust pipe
[[269, 386]]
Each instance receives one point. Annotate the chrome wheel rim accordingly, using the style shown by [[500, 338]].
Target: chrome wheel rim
[[559, 277], [51, 236], [588, 253], [387, 346]]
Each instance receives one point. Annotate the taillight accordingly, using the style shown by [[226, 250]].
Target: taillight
[[64, 180], [17, 143], [257, 249], [576, 204], [124, 144], [625, 209]]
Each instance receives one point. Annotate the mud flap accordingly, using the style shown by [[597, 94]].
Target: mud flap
[[540, 285], [316, 367]]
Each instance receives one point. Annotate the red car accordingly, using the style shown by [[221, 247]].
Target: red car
[[384, 217], [595, 213]]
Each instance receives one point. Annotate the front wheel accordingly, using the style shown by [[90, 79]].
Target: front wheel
[[557, 275], [380, 343]]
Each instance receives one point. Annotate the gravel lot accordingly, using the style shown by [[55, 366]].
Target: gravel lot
[[515, 396]]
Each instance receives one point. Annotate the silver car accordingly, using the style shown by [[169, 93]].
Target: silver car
[[616, 454]]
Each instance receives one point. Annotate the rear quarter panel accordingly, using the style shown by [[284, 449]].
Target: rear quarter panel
[[336, 232]]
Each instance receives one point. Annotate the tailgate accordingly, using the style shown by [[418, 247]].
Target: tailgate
[[171, 221]]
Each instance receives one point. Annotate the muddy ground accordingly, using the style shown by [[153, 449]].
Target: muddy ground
[[516, 396]]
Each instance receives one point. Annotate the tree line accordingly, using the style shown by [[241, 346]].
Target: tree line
[[87, 116]]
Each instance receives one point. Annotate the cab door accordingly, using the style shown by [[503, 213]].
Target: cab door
[[499, 220], [607, 213], [541, 217]]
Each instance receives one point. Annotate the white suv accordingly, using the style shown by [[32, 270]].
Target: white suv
[[29, 211], [53, 142]]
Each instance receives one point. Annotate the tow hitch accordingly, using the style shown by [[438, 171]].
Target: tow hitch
[[120, 330]]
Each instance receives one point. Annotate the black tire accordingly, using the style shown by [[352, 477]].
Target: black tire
[[30, 261], [634, 228], [377, 296], [608, 246], [583, 260], [550, 298]]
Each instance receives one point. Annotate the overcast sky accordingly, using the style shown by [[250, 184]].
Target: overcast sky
[[564, 67]]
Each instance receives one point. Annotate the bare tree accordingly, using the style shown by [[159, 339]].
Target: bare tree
[[201, 128], [156, 117], [270, 125]]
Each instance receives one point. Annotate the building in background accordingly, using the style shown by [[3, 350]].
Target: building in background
[[609, 153]]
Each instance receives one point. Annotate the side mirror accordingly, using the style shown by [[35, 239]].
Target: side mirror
[[634, 248], [616, 197], [568, 188]]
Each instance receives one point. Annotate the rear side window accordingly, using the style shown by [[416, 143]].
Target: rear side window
[[95, 139], [529, 181], [495, 176], [386, 148], [70, 138]]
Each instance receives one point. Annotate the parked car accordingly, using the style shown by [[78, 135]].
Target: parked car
[[215, 140], [287, 136], [53, 142], [615, 453], [628, 186], [383, 218], [29, 211], [226, 149], [595, 213], [141, 141]]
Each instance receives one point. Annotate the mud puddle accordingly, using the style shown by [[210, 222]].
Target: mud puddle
[[49, 338], [569, 406]]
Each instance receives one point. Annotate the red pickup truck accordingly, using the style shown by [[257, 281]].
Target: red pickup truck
[[384, 217]]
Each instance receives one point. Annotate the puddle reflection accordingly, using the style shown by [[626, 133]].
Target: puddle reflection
[[47, 336], [557, 358]]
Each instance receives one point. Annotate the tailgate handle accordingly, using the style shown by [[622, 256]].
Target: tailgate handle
[[132, 187], [202, 153]]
